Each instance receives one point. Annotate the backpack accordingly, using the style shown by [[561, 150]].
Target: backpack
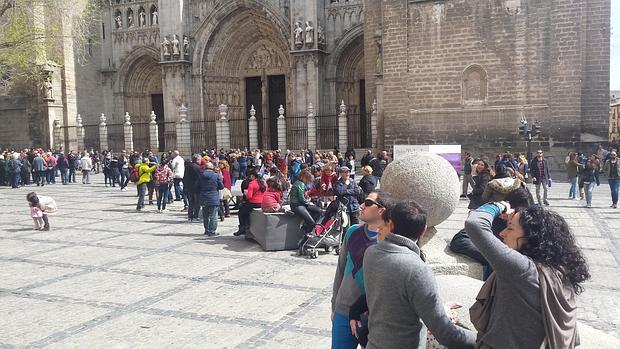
[[134, 176]]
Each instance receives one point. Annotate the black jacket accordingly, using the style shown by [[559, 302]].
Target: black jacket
[[191, 176], [368, 183]]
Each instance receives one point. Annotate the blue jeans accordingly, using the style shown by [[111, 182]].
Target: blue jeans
[[162, 198], [16, 179], [63, 176], [342, 338], [614, 185], [71, 175], [178, 188], [589, 188], [209, 218], [573, 187], [124, 177]]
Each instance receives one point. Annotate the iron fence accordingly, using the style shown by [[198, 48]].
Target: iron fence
[[297, 131], [141, 135], [116, 137], [359, 133], [239, 136], [326, 131], [91, 136], [202, 134]]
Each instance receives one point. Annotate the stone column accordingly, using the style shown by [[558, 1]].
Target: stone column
[[80, 133], [253, 129], [342, 127], [154, 132], [128, 132], [184, 141], [311, 128], [56, 134], [281, 129], [373, 124], [222, 131], [103, 133]]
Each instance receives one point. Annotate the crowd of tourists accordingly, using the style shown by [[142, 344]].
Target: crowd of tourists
[[384, 294], [512, 170]]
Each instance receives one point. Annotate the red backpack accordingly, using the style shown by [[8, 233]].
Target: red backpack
[[134, 176]]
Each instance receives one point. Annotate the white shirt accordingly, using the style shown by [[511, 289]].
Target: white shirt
[[178, 166], [86, 164]]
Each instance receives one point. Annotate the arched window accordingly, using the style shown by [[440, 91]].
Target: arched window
[[474, 85]]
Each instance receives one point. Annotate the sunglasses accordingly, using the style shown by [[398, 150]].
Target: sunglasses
[[369, 202]]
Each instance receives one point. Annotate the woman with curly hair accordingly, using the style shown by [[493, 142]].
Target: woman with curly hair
[[530, 299]]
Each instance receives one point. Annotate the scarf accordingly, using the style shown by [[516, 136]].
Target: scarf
[[558, 305]]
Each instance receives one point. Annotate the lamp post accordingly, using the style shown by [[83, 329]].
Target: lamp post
[[529, 131]]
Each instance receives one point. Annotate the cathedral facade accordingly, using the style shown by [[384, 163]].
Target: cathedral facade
[[419, 71]]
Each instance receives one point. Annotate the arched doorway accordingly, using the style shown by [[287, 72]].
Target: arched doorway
[[143, 94], [245, 64], [350, 88]]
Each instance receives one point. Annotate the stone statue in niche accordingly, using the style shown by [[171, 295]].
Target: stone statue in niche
[[320, 36], [175, 45], [309, 34], [154, 17], [186, 47], [119, 21], [130, 19], [379, 63], [298, 35], [166, 47], [142, 18], [49, 88]]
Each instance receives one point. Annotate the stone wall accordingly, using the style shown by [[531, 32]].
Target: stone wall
[[465, 71], [16, 130]]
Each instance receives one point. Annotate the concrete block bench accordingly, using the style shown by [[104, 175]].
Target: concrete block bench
[[275, 231]]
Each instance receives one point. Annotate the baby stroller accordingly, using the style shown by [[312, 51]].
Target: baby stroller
[[327, 234]]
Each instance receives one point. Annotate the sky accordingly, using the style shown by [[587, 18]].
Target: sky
[[615, 45]]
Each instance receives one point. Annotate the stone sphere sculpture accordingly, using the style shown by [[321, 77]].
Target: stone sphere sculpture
[[428, 179]]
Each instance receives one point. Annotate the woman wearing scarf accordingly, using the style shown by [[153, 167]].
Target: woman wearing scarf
[[529, 301]]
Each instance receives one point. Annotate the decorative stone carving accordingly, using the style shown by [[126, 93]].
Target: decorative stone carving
[[298, 35], [49, 88], [127, 119], [142, 17], [118, 20], [130, 18], [166, 47], [102, 119], [175, 46], [265, 57], [379, 63], [154, 16], [321, 40], [428, 179], [186, 47], [309, 34], [474, 85]]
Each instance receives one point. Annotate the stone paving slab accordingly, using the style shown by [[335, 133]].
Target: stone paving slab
[[108, 276]]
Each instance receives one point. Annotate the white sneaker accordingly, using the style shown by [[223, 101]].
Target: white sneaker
[[589, 205], [124, 189]]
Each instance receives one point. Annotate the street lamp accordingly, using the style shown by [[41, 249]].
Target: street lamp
[[528, 132]]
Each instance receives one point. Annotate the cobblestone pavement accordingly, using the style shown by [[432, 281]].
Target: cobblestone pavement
[[108, 276]]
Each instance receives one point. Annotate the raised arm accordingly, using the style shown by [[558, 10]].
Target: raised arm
[[505, 261]]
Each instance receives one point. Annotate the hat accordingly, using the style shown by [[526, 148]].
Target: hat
[[344, 169]]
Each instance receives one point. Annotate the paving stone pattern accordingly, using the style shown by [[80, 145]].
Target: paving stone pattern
[[108, 276]]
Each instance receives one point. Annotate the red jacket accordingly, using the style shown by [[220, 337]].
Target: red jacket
[[254, 195], [271, 200], [226, 179]]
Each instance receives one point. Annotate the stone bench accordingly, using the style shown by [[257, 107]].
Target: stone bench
[[275, 231]]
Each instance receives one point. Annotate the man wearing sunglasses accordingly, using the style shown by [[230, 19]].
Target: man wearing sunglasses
[[349, 278], [539, 168]]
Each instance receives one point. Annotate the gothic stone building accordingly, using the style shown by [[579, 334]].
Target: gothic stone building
[[422, 71]]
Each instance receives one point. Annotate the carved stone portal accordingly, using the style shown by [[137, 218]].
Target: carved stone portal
[[265, 57]]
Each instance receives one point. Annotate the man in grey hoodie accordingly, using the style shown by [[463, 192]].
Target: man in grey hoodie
[[401, 289]]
